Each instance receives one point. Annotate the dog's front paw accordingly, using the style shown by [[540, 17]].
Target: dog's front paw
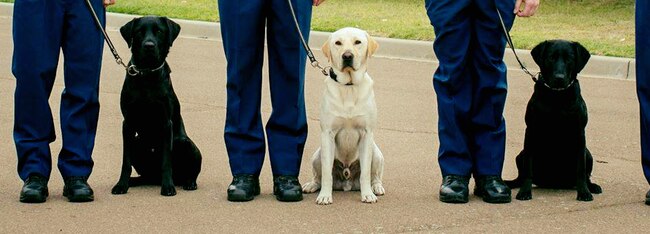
[[310, 187], [324, 199], [368, 198], [594, 188], [378, 189], [168, 190], [120, 188], [190, 186], [585, 196], [524, 195]]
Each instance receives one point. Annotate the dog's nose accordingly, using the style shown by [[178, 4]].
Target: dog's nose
[[348, 59], [149, 45], [348, 56]]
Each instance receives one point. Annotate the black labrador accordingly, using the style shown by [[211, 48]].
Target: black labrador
[[155, 141], [555, 153]]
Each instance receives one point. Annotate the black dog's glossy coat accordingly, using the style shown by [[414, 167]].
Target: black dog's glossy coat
[[155, 142], [555, 153]]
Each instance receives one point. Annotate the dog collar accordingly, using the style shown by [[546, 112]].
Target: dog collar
[[132, 70], [334, 77], [555, 89]]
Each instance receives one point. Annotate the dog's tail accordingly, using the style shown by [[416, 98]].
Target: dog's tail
[[516, 183]]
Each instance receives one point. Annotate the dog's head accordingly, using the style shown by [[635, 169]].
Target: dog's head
[[560, 61], [348, 50], [150, 38]]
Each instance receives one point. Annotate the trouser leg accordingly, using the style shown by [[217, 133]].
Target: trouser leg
[[643, 79], [242, 29], [451, 20], [490, 85], [37, 36], [82, 52], [287, 126]]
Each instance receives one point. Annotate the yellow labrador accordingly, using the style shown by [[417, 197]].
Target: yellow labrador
[[348, 158]]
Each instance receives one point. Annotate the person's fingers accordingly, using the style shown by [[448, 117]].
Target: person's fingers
[[318, 2], [109, 2], [530, 8], [517, 7], [527, 10]]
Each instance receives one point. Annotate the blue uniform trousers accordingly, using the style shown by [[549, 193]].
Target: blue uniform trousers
[[243, 30], [470, 84], [643, 79], [42, 28]]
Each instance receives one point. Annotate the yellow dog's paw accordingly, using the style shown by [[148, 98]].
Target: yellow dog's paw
[[310, 187]]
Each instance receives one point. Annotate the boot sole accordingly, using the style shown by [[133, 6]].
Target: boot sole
[[242, 198], [288, 198], [453, 199], [34, 198], [78, 197], [494, 200]]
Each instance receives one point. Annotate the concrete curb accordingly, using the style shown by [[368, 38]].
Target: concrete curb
[[598, 66]]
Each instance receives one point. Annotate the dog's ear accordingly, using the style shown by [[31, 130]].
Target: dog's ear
[[174, 30], [538, 53], [581, 56], [127, 32], [372, 45], [326, 50]]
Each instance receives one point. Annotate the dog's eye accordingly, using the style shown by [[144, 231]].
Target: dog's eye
[[357, 42], [338, 43]]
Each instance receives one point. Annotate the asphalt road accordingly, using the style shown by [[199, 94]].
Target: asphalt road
[[407, 135]]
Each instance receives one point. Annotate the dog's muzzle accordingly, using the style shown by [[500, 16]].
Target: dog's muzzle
[[348, 60]]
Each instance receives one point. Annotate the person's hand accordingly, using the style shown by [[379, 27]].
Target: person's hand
[[109, 2], [318, 2], [530, 6]]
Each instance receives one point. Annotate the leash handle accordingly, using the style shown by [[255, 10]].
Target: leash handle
[[314, 63], [512, 46], [118, 59]]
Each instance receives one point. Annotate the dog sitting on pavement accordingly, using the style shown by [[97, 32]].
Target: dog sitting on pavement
[[155, 142], [555, 154], [348, 158]]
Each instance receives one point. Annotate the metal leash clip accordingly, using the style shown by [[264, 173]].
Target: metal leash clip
[[322, 69], [132, 71]]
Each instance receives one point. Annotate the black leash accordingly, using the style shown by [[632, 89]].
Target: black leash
[[512, 46], [310, 54], [118, 59]]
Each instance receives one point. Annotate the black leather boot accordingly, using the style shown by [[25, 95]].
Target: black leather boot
[[34, 190], [454, 189], [243, 188], [492, 189], [76, 189], [287, 188]]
